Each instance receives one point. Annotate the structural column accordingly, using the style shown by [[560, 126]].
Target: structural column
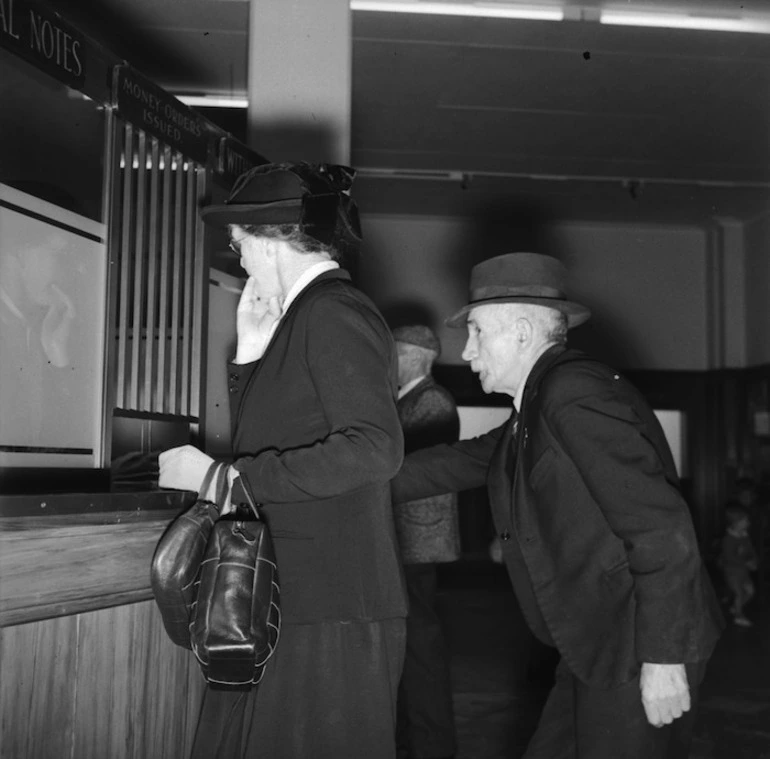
[[299, 79], [726, 294]]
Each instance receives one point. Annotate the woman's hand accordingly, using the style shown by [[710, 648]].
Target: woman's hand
[[256, 319], [183, 468]]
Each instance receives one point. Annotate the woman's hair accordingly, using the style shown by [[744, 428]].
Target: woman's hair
[[292, 234]]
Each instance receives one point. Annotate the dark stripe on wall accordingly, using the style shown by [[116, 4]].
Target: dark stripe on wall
[[52, 222], [45, 449]]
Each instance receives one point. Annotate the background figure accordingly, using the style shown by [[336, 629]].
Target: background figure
[[749, 497], [596, 536], [737, 560], [428, 533], [316, 441]]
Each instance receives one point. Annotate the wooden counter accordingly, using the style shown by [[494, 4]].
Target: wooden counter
[[64, 554], [88, 670]]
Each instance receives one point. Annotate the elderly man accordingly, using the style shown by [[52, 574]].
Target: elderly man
[[595, 533], [316, 440], [428, 533]]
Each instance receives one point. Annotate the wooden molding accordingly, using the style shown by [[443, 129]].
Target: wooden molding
[[66, 564]]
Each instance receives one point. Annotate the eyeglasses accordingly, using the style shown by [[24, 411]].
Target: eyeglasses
[[235, 245]]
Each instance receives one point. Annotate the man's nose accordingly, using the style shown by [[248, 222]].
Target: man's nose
[[469, 351]]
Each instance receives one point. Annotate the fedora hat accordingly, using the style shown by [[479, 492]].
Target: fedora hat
[[315, 197], [521, 278]]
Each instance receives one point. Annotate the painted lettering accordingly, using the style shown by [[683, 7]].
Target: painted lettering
[[6, 18], [42, 38], [235, 163], [71, 58], [161, 127], [136, 91], [54, 44]]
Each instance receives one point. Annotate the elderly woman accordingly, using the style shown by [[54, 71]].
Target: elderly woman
[[316, 439]]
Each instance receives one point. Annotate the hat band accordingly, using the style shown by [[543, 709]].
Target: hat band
[[505, 291]]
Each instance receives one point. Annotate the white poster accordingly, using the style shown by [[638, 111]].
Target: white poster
[[52, 312]]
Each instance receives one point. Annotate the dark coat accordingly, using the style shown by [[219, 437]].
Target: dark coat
[[317, 437], [428, 529], [590, 493]]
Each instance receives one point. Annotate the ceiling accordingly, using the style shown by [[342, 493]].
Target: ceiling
[[455, 115]]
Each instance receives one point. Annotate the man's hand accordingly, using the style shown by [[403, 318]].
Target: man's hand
[[255, 321], [665, 692], [495, 550], [183, 468]]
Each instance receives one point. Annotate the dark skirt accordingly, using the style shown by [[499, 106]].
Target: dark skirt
[[329, 692]]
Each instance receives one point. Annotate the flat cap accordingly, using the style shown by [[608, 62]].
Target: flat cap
[[419, 335]]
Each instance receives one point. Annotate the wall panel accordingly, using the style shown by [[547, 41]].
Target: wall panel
[[106, 684], [88, 671], [37, 696], [646, 285]]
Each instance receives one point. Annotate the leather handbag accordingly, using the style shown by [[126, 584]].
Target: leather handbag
[[176, 563], [236, 620]]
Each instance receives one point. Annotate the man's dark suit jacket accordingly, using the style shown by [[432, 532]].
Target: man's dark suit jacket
[[317, 438], [589, 491]]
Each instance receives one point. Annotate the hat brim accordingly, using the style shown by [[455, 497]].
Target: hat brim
[[277, 212], [576, 313]]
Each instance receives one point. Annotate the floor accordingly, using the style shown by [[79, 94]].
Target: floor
[[499, 686]]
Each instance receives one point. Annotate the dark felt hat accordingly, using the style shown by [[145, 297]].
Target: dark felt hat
[[315, 197], [419, 335], [521, 278]]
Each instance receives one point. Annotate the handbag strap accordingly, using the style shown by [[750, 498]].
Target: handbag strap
[[208, 477], [249, 498], [221, 485]]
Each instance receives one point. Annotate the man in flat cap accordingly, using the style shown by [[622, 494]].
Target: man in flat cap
[[595, 533], [428, 534], [316, 439]]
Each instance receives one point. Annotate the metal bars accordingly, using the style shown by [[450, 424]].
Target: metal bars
[[161, 270]]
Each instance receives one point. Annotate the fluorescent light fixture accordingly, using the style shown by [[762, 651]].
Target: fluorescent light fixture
[[213, 101], [745, 24], [434, 175], [482, 10]]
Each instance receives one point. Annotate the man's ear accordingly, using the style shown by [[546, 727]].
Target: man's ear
[[522, 329]]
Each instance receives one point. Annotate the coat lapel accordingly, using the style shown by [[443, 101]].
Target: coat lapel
[[509, 454], [549, 358], [501, 474]]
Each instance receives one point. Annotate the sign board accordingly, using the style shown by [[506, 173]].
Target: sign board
[[151, 108], [234, 158], [42, 37]]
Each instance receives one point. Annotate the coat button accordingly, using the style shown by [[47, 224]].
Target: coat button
[[233, 388], [505, 535], [233, 378]]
